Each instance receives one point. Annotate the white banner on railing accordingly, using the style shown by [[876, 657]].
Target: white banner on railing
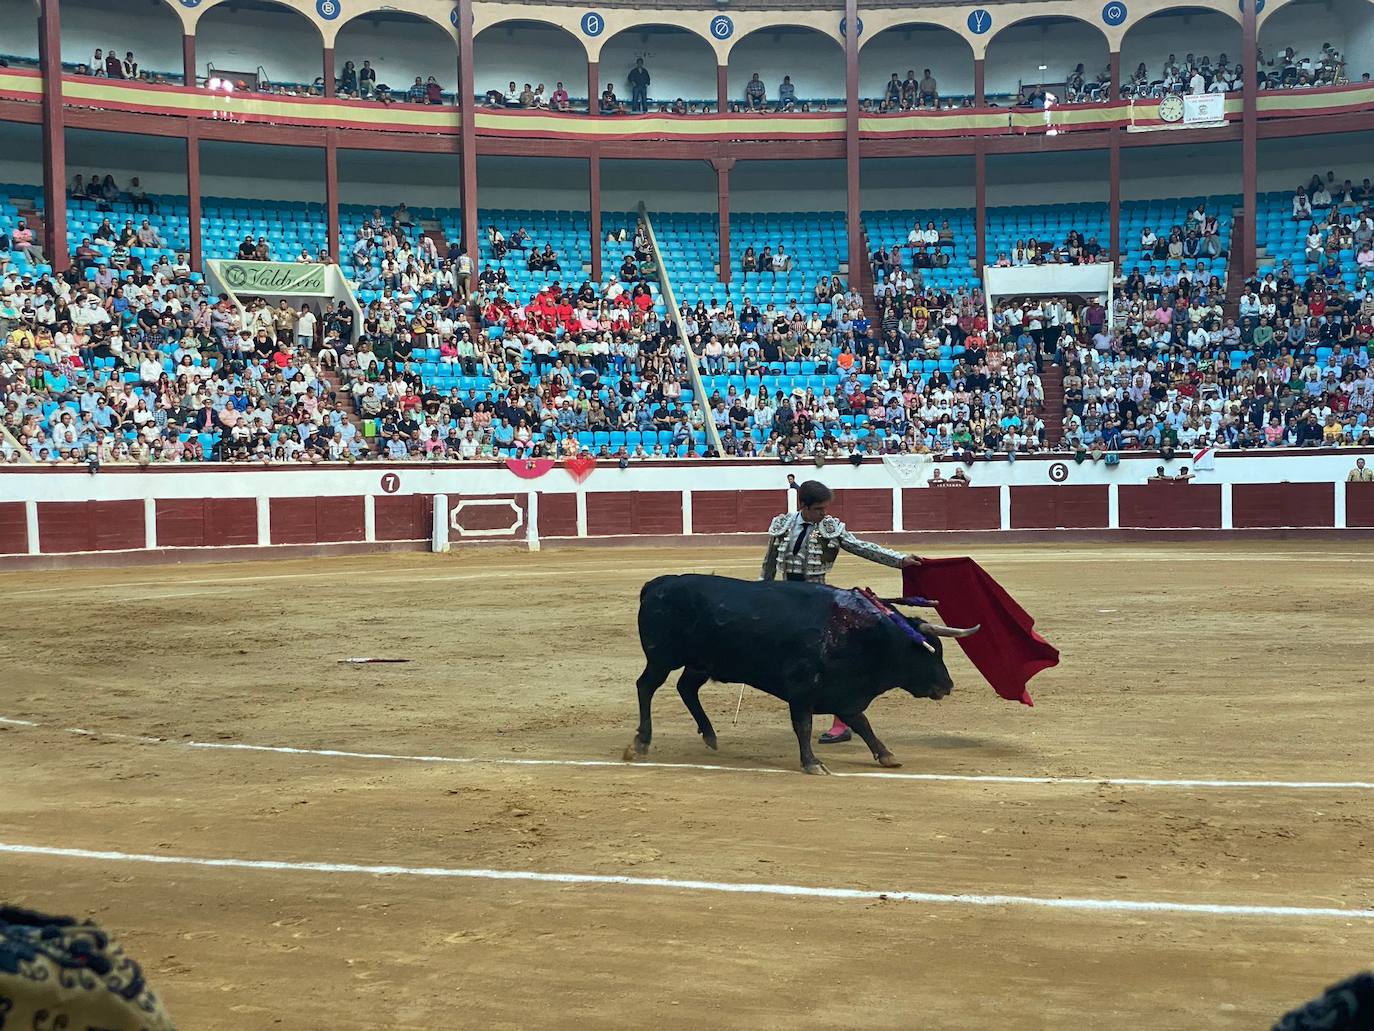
[[1050, 281], [1204, 108]]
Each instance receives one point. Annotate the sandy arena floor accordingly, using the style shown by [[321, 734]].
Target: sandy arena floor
[[1237, 662]]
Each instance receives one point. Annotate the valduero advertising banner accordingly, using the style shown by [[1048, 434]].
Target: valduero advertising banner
[[273, 277]]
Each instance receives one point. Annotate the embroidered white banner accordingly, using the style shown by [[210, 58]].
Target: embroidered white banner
[[907, 470]]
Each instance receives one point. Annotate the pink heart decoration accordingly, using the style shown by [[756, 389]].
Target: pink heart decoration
[[580, 468]]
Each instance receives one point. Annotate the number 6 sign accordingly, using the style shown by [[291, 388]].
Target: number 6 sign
[[593, 24]]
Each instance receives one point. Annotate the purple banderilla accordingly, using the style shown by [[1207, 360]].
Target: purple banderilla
[[886, 605]]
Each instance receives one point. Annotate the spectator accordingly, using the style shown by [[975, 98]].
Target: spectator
[[930, 90], [639, 87], [748, 264], [610, 104], [559, 100], [367, 81], [892, 95], [755, 94], [347, 84], [787, 95], [23, 241]]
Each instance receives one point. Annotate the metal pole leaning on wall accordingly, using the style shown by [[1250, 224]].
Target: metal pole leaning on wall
[[25, 456], [698, 388]]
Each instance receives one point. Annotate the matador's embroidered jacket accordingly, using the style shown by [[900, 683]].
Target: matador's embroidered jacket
[[812, 558]]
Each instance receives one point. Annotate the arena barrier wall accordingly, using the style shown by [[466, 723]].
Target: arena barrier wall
[[177, 512]]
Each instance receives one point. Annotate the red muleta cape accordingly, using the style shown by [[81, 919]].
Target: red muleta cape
[[1007, 650]]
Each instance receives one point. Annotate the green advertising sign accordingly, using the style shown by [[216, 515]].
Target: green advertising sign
[[273, 277]]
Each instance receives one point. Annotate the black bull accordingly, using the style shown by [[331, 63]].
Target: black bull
[[819, 649]]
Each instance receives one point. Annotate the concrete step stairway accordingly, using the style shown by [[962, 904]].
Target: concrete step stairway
[[1052, 379], [432, 228], [342, 397], [861, 279], [30, 215], [1235, 281]]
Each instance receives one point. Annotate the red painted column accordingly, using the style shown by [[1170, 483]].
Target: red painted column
[[722, 89], [980, 202], [1249, 137], [1114, 172], [329, 72], [1114, 160], [593, 87], [980, 173], [594, 181], [467, 133], [722, 167], [331, 189], [54, 138], [188, 60], [854, 220], [193, 190]]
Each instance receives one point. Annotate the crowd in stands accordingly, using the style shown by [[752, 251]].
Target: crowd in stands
[[150, 367], [911, 93], [122, 359], [1285, 69], [1290, 70], [107, 64], [1191, 75], [361, 84], [1289, 369], [924, 375]]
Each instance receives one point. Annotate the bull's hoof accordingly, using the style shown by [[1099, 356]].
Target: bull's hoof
[[816, 769], [710, 741], [889, 761], [637, 750]]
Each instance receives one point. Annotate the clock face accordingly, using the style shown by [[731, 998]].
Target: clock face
[[1171, 108]]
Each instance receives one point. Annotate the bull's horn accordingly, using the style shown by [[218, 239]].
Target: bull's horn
[[949, 631]]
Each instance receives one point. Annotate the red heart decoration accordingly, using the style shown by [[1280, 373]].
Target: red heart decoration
[[580, 468], [529, 468]]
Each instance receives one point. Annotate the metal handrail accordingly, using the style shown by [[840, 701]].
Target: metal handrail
[[698, 387]]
